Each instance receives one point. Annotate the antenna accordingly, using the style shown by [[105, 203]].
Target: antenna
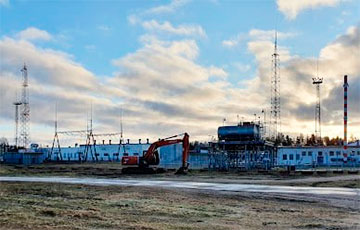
[[317, 81], [55, 139], [275, 118], [25, 112]]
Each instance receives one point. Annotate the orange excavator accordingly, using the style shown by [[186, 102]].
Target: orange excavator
[[150, 159]]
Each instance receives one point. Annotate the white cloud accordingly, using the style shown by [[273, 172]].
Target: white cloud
[[257, 34], [241, 67], [90, 48], [4, 2], [104, 28], [297, 92], [164, 90], [167, 27], [232, 42], [170, 8], [33, 33], [133, 19], [291, 8]]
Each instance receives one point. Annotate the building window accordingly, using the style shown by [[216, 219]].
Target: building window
[[309, 153], [303, 154], [297, 157], [338, 153], [319, 153], [291, 157], [358, 153], [331, 153], [284, 157]]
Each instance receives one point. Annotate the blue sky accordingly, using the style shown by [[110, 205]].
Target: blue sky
[[95, 34]]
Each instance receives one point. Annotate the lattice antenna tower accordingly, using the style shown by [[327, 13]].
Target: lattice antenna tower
[[25, 110], [56, 139], [317, 81], [275, 118]]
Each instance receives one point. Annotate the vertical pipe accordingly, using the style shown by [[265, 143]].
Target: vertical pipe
[[345, 114]]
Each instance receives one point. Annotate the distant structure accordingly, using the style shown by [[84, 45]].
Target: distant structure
[[25, 110], [346, 85], [17, 104], [56, 139], [275, 121], [317, 81]]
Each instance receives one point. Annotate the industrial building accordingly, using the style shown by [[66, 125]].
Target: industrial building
[[241, 147], [34, 155], [318, 156]]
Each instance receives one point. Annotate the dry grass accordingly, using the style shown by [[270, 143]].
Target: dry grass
[[59, 206]]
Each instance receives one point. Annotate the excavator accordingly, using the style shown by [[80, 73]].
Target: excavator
[[147, 163]]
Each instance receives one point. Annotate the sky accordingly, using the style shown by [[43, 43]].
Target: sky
[[168, 67]]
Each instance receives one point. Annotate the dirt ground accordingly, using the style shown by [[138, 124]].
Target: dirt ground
[[59, 206]]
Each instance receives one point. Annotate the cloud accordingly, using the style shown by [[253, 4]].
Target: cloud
[[269, 35], [90, 48], [258, 35], [241, 67], [233, 41], [153, 86], [103, 28], [169, 8], [163, 90], [4, 2], [33, 34], [292, 8], [167, 27]]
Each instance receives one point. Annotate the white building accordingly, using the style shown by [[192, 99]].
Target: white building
[[318, 156]]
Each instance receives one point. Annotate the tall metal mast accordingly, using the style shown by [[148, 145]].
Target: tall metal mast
[[25, 110], [317, 81], [17, 104], [275, 121]]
